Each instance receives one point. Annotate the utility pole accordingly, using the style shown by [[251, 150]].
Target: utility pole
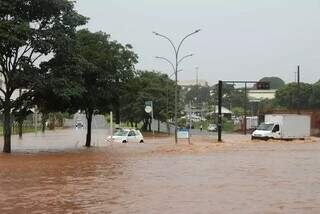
[[197, 88], [298, 79], [197, 76], [190, 122], [190, 115]]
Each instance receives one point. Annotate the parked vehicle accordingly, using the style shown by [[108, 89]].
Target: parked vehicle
[[283, 127], [212, 128], [127, 136], [79, 124], [188, 126], [252, 122]]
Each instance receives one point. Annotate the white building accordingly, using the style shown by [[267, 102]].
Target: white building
[[189, 83]]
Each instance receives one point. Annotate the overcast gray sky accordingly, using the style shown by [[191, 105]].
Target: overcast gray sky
[[240, 39]]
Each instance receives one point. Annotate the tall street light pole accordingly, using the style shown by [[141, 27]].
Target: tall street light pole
[[175, 67]]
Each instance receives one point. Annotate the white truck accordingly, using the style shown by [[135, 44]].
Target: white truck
[[283, 126]]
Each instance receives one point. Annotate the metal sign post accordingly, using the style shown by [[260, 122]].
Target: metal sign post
[[111, 124], [149, 110]]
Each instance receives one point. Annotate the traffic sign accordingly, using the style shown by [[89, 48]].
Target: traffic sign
[[263, 85], [148, 109]]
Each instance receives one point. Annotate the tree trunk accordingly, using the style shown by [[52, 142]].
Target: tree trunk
[[43, 128], [44, 118], [7, 129], [20, 127], [118, 115], [89, 114], [149, 124], [158, 126]]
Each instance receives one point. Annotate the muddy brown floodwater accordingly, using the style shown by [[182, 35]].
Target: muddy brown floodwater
[[52, 173]]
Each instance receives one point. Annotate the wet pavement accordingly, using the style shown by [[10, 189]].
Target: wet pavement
[[238, 176]]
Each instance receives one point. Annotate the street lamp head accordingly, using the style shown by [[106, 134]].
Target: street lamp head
[[197, 31], [155, 33]]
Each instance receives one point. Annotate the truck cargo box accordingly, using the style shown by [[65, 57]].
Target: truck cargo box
[[291, 125]]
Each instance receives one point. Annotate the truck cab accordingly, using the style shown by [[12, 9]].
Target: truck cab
[[267, 131]]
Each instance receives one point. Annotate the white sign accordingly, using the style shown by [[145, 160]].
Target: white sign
[[182, 134], [148, 109]]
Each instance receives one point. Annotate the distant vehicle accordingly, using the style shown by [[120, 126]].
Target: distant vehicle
[[212, 128], [79, 124], [126, 136], [283, 127], [188, 126], [252, 122]]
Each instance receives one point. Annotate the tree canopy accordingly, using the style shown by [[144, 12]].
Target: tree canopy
[[105, 67], [198, 95], [288, 95], [275, 82], [148, 86], [29, 30]]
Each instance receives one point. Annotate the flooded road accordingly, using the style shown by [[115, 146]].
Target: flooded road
[[158, 177]]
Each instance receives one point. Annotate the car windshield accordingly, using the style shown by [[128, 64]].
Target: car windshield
[[265, 127], [121, 133]]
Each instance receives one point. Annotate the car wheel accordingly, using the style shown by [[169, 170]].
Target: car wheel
[[141, 141], [124, 141]]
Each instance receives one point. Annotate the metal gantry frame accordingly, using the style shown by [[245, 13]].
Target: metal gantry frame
[[220, 88]]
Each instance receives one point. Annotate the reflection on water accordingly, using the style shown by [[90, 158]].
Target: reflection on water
[[82, 181], [122, 179]]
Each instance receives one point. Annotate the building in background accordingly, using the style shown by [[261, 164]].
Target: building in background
[[187, 84]]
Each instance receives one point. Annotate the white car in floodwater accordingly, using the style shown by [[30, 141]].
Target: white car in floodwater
[[126, 136]]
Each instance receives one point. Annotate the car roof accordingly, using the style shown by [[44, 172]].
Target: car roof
[[125, 129]]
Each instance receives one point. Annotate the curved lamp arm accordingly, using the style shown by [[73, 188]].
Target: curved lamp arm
[[185, 57], [197, 31], [167, 38], [168, 61]]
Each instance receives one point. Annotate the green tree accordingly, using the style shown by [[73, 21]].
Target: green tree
[[288, 96], [198, 94], [105, 66], [148, 86], [21, 110], [58, 84], [275, 82], [29, 30], [231, 97], [315, 96]]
